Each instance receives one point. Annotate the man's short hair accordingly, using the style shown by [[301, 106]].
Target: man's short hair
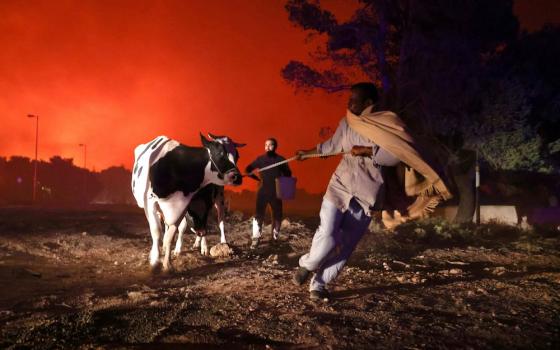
[[368, 90], [273, 141]]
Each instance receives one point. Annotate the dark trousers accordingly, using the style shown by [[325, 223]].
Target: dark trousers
[[263, 200]]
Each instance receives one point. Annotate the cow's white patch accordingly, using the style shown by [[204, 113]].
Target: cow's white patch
[[203, 246], [179, 243], [174, 206], [155, 230], [256, 229], [196, 244], [222, 232], [145, 156]]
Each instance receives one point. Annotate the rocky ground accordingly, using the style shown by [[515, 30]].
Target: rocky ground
[[80, 279]]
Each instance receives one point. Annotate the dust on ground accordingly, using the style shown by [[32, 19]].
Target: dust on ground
[[80, 279]]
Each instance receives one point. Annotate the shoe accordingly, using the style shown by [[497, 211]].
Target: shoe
[[275, 235], [255, 243], [319, 295], [390, 222], [301, 276]]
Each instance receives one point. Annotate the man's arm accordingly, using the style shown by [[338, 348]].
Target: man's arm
[[251, 167], [334, 144], [302, 153], [381, 156]]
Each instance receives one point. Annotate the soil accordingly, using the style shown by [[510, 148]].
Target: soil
[[81, 279]]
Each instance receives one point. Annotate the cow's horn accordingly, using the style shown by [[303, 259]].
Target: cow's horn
[[214, 137]]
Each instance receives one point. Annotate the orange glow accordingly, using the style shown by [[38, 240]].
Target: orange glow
[[113, 74]]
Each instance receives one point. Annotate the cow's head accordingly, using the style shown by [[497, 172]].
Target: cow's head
[[223, 158]]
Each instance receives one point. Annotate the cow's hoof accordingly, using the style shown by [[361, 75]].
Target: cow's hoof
[[169, 270], [155, 268], [254, 243], [176, 253]]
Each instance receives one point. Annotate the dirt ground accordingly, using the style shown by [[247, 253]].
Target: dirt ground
[[80, 279]]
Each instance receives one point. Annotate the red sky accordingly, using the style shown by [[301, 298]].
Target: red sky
[[113, 74]]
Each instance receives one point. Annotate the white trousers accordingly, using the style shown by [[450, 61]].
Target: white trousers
[[334, 241]]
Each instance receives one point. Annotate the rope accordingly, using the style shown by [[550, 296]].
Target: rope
[[318, 155]]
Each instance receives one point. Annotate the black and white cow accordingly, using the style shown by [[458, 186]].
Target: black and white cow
[[167, 175], [211, 196]]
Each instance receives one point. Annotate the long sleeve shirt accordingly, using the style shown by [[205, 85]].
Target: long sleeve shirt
[[268, 185], [358, 177]]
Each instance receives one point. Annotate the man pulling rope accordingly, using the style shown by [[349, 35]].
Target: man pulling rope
[[374, 139]]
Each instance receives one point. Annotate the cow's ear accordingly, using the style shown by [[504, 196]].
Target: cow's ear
[[239, 144], [205, 142]]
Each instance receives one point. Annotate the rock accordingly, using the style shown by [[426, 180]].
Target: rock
[[524, 224], [221, 250], [498, 271], [135, 295], [271, 260], [236, 216], [456, 263], [399, 265]]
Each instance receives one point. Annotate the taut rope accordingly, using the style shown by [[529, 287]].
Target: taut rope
[[318, 155]]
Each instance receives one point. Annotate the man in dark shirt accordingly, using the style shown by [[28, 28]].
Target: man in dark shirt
[[266, 195]]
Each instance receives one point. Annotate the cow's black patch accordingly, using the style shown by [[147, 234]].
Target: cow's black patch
[[181, 169], [202, 203]]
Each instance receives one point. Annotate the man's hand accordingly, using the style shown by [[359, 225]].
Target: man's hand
[[253, 176], [362, 151], [300, 154]]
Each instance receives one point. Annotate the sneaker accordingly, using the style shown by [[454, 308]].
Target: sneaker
[[254, 243], [319, 295], [276, 235], [301, 276]]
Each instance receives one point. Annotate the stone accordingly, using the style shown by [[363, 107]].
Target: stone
[[221, 250], [505, 214]]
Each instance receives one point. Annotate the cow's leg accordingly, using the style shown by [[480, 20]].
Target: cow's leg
[[200, 219], [222, 232], [167, 239], [203, 245], [155, 230], [200, 241], [174, 208], [220, 217], [196, 244], [179, 243]]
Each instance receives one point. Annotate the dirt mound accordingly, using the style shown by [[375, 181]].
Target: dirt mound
[[81, 280]]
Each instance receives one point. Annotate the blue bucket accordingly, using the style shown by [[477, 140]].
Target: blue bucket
[[286, 187]]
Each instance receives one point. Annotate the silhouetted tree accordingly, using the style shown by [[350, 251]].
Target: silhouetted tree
[[437, 63], [115, 186]]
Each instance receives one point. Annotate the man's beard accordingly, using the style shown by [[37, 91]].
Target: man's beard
[[271, 153]]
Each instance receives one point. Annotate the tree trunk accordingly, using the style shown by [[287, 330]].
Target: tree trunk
[[463, 176]]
